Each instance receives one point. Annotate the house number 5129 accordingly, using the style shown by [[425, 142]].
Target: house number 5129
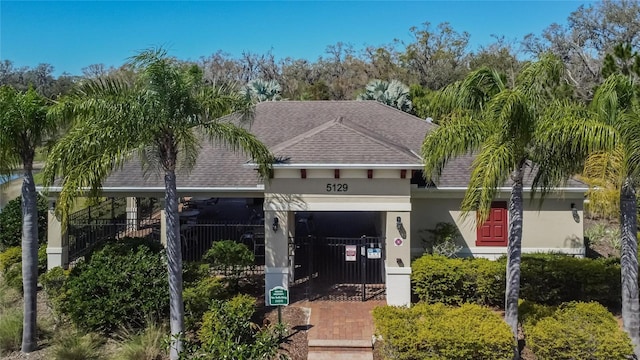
[[337, 187]]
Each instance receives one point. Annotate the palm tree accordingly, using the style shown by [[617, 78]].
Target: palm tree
[[392, 93], [158, 114], [499, 125], [23, 127], [609, 134], [262, 90]]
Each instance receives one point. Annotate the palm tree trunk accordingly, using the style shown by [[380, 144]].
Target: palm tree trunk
[[174, 261], [629, 263], [29, 260], [514, 250]]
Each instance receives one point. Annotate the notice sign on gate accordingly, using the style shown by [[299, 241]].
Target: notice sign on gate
[[278, 296], [350, 252], [374, 253]]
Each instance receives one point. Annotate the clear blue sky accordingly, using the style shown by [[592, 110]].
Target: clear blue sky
[[73, 34]]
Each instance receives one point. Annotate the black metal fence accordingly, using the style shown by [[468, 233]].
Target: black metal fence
[[344, 269], [83, 235], [198, 237]]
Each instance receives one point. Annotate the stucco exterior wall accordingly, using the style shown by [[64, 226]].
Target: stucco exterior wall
[[548, 228]]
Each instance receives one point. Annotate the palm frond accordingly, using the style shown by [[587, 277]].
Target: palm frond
[[462, 134], [491, 169]]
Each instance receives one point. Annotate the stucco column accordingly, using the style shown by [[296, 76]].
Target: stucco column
[[133, 214], [398, 257], [57, 246], [278, 228], [163, 223]]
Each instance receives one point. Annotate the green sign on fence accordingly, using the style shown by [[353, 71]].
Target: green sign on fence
[[278, 296]]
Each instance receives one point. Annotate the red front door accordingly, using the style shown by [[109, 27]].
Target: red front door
[[494, 231]]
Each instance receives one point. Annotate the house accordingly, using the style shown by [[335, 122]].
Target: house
[[354, 169]]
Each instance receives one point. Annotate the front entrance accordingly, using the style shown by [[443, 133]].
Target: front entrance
[[339, 268]]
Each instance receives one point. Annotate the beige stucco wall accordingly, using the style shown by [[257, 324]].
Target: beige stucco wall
[[547, 228]]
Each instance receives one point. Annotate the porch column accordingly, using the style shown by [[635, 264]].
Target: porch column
[[57, 246], [279, 226], [163, 223], [133, 214], [398, 257]]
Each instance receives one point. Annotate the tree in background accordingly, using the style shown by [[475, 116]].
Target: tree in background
[[500, 126], [23, 127], [261, 90], [160, 115], [392, 93]]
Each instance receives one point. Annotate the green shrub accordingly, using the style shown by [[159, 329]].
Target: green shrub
[[11, 267], [77, 346], [53, 283], [198, 296], [579, 331], [228, 333], [437, 279], [11, 222], [147, 345], [545, 278], [440, 332], [529, 313], [229, 257], [10, 330], [120, 286]]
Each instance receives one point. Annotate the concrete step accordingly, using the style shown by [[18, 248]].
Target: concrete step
[[340, 350], [336, 355]]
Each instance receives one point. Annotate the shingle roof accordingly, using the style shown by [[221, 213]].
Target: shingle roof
[[314, 132], [310, 132]]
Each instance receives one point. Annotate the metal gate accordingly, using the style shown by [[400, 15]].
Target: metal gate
[[342, 269]]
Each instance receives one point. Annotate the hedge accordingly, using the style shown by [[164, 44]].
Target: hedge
[[438, 331], [575, 330], [549, 279], [11, 222]]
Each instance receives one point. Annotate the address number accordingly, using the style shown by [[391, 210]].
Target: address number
[[337, 187]]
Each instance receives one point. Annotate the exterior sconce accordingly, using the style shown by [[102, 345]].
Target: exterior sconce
[[574, 212], [401, 229], [276, 224]]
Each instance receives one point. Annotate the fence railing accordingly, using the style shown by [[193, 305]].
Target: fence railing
[[198, 237], [83, 235]]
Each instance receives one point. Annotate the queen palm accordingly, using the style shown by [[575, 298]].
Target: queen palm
[[610, 134], [23, 127], [498, 125], [159, 115]]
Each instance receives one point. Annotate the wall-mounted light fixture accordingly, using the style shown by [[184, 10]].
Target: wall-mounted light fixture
[[276, 224], [574, 212], [401, 229]]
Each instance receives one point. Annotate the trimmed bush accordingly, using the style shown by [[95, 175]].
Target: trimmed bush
[[227, 332], [545, 278], [229, 257], [122, 285], [440, 332], [579, 331], [11, 222], [11, 267], [198, 296], [437, 279]]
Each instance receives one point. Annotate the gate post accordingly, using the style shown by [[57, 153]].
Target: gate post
[[278, 228], [398, 258]]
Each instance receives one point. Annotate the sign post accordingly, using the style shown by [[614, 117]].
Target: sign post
[[279, 296]]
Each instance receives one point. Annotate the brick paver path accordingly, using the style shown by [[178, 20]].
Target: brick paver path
[[336, 320]]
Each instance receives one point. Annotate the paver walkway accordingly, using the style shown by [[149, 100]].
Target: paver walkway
[[340, 330]]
